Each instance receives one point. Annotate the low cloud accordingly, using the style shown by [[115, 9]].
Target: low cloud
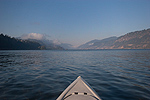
[[36, 36], [55, 41]]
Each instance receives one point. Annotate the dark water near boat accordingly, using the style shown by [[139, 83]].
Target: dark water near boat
[[43, 75]]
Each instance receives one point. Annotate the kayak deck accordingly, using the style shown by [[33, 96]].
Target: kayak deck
[[79, 90]]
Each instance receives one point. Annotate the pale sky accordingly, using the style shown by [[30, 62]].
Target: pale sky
[[74, 21]]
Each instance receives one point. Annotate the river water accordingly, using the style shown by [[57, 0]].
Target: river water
[[43, 75]]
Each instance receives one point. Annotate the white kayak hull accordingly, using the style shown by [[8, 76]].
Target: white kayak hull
[[79, 90]]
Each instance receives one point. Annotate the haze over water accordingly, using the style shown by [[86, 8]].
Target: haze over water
[[43, 75]]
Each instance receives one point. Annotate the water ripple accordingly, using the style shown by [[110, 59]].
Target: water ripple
[[43, 75]]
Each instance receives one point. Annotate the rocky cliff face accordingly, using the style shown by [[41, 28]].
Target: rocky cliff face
[[132, 40]]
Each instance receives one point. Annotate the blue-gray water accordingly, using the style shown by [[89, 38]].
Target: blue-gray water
[[43, 75]]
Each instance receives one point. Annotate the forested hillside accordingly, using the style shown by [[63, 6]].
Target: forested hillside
[[9, 43], [134, 40], [131, 40]]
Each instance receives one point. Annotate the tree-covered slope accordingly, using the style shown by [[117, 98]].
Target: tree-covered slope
[[9, 43], [132, 40]]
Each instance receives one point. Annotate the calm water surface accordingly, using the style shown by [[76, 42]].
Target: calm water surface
[[43, 75]]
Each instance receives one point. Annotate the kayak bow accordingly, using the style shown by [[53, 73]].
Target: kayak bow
[[79, 90]]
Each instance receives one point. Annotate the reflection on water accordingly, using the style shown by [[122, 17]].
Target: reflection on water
[[43, 75]]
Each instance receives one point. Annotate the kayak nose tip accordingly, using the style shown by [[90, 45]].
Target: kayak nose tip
[[79, 76]]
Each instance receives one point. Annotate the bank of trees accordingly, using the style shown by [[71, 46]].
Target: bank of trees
[[11, 43]]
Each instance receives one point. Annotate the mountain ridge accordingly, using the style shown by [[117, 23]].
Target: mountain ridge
[[95, 44], [131, 40], [11, 43], [47, 44]]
